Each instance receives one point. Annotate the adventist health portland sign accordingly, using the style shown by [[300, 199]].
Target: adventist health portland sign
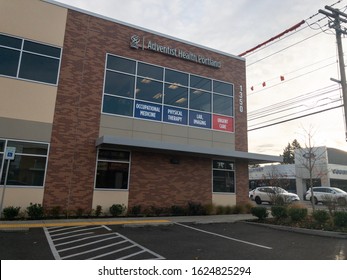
[[174, 115]]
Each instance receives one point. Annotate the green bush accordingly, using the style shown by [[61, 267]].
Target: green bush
[[195, 209], [340, 219], [177, 210], [135, 210], [320, 216], [297, 214], [98, 210], [35, 211], [259, 212], [117, 210], [55, 212], [279, 212], [10, 212]]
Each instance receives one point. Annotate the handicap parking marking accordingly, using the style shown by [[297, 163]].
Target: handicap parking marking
[[224, 236], [96, 242]]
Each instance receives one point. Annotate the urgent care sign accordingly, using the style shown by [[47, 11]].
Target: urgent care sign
[[223, 123]]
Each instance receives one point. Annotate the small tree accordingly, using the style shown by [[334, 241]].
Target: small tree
[[289, 152]]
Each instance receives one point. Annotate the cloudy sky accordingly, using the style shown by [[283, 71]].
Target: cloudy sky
[[306, 58]]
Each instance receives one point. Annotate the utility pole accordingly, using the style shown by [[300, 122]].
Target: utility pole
[[337, 17]]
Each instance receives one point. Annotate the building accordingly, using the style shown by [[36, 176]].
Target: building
[[328, 165], [102, 112]]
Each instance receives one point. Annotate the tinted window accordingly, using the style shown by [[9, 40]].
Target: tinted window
[[41, 49], [149, 90], [10, 42], [222, 105], [114, 155], [175, 77], [39, 68], [176, 95], [118, 106], [119, 84], [29, 147], [223, 88], [150, 71], [112, 175], [121, 64], [200, 100], [9, 60], [200, 83]]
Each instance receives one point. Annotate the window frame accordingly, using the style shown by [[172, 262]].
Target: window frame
[[115, 161], [22, 51], [3, 162], [233, 170]]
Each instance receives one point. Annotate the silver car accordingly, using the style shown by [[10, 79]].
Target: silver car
[[270, 193], [327, 194]]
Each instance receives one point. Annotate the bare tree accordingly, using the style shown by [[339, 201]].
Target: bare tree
[[310, 157]]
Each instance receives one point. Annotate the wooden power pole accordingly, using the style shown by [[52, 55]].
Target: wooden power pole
[[336, 17]]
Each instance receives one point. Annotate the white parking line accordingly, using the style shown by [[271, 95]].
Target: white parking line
[[82, 237], [226, 237]]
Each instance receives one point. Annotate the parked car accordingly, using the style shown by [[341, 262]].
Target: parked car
[[326, 194], [270, 193]]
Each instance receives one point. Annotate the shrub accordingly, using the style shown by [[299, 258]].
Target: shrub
[[117, 210], [297, 214], [340, 219], [10, 212], [195, 209], [279, 212], [79, 212], [177, 210], [55, 212], [236, 209], [98, 210], [135, 210], [35, 211], [259, 212], [320, 216]]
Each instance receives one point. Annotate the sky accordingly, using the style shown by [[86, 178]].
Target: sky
[[306, 59]]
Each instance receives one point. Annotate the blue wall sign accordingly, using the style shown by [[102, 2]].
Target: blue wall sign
[[200, 119], [175, 115], [149, 111]]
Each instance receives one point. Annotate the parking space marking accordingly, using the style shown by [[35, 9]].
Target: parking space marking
[[94, 243], [224, 236]]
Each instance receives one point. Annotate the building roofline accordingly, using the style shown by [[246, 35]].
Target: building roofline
[[204, 151], [142, 29]]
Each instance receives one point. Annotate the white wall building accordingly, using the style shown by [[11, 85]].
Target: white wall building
[[328, 168]]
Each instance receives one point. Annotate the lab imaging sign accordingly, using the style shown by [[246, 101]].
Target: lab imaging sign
[[136, 42]]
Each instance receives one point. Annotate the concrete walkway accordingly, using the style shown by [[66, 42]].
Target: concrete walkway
[[135, 221]]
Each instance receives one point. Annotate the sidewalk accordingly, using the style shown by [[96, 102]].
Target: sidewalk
[[126, 221]]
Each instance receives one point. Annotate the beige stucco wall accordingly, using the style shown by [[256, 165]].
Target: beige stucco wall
[[33, 19], [26, 100], [224, 199], [107, 198], [21, 196], [157, 131]]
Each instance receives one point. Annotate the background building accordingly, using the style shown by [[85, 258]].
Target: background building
[[101, 112], [329, 168]]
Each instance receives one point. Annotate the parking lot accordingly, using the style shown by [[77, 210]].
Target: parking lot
[[186, 241]]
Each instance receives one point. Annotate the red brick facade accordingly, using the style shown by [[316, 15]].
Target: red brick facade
[[153, 179]]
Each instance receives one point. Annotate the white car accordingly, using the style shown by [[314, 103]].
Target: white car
[[269, 194], [325, 194]]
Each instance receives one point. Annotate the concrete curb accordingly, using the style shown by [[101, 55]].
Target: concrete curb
[[315, 232]]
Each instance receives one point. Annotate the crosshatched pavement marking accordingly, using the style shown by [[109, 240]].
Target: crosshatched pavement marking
[[94, 242]]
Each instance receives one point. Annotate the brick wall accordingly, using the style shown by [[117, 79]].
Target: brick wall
[[156, 182], [72, 158]]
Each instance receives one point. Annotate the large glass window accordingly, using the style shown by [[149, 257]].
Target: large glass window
[[29, 60], [149, 90], [223, 176], [112, 169], [157, 93], [29, 165]]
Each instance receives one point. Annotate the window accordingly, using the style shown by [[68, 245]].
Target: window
[[140, 90], [29, 165], [223, 176], [29, 60], [112, 169]]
